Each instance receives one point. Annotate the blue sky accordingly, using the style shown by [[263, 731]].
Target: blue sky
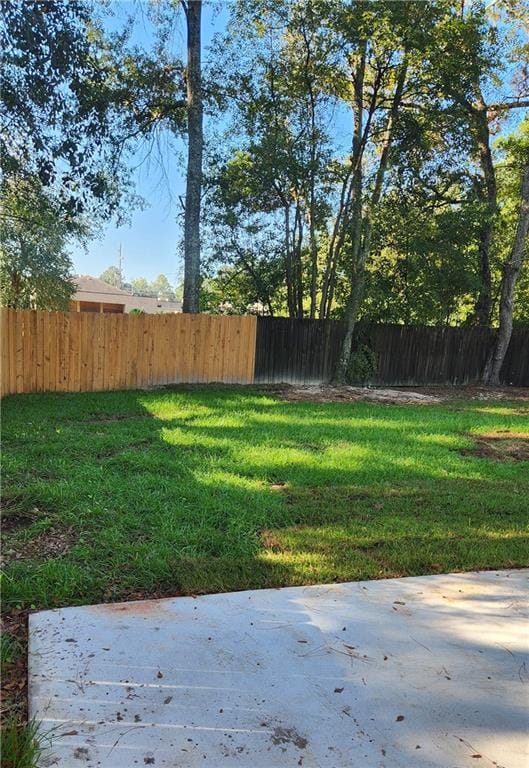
[[150, 241]]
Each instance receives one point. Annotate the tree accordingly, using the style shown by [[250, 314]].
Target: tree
[[159, 288], [162, 288], [112, 276], [407, 78], [492, 50], [153, 93], [58, 122], [272, 183], [385, 45], [518, 157], [35, 267], [423, 266], [195, 141], [141, 287]]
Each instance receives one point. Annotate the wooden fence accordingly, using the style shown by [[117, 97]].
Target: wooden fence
[[296, 351], [306, 352], [84, 352], [410, 355]]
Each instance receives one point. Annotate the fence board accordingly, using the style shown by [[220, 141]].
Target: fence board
[[69, 351], [306, 352]]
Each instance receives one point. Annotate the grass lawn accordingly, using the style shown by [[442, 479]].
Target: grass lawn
[[129, 494], [139, 494]]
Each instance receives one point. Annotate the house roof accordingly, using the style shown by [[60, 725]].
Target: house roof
[[152, 305], [96, 290], [88, 284]]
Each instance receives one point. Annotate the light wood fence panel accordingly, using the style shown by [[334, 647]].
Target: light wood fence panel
[[85, 352]]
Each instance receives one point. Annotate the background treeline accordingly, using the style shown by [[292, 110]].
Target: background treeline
[[159, 288], [358, 160], [371, 138]]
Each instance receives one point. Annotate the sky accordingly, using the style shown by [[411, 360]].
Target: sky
[[149, 242]]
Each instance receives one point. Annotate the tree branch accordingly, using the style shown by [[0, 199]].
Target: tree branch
[[519, 102]]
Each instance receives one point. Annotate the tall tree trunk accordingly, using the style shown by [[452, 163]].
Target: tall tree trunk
[[329, 275], [289, 267], [193, 10], [313, 243], [483, 306], [297, 239], [311, 203], [351, 197], [362, 233], [511, 270]]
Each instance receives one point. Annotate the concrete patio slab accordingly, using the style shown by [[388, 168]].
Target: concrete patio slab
[[429, 671]]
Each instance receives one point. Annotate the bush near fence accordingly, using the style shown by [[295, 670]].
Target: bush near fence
[[84, 352]]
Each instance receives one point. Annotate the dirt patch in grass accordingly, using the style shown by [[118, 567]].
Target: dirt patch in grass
[[14, 520], [500, 446], [112, 417], [19, 513], [331, 394], [51, 543], [270, 540], [326, 393], [13, 696]]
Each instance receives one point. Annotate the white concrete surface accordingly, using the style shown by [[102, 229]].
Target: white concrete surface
[[426, 672]]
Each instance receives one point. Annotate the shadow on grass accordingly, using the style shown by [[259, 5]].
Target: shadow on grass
[[211, 490]]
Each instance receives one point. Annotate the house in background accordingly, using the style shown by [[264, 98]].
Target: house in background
[[94, 295]]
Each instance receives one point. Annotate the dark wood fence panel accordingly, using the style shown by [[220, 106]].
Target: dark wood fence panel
[[296, 351], [516, 366], [306, 352], [421, 355]]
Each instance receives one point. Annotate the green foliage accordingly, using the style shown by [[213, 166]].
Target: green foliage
[[513, 149], [58, 121], [292, 73], [35, 267], [423, 269], [160, 287], [286, 221], [163, 288], [244, 288], [10, 649], [112, 276], [363, 364], [136, 311], [23, 745]]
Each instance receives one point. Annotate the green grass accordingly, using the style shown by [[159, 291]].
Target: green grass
[[9, 650], [125, 494], [23, 745]]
